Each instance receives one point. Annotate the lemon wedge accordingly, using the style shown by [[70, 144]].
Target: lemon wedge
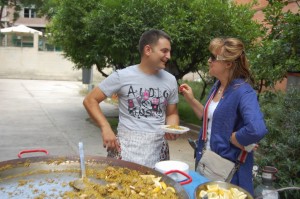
[[170, 189], [223, 191], [163, 185], [212, 188], [202, 193], [212, 195], [243, 196], [227, 195], [156, 189]]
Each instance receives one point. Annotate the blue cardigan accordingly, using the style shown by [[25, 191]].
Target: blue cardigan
[[238, 111]]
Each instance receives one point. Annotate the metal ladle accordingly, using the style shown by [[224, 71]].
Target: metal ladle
[[79, 183]]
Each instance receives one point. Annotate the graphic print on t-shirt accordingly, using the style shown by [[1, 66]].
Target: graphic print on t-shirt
[[147, 102]]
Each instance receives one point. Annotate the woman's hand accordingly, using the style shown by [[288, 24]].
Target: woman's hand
[[187, 92], [249, 148]]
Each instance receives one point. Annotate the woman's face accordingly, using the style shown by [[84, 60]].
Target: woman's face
[[218, 67]]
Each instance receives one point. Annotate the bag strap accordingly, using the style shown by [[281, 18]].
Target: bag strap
[[204, 133], [241, 159]]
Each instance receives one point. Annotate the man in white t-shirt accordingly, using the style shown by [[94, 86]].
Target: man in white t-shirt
[[148, 98]]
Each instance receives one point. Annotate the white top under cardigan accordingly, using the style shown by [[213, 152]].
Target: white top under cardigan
[[211, 109]]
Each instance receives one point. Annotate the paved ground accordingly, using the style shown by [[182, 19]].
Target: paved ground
[[49, 114]]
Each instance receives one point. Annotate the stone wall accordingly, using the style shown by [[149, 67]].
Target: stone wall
[[29, 63]]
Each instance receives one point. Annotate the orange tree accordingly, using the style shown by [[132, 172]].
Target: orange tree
[[106, 33], [279, 50]]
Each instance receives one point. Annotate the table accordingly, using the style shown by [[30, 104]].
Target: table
[[197, 180]]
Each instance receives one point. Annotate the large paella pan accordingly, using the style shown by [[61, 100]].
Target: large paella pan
[[50, 177]]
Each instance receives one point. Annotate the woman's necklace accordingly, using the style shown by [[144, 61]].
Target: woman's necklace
[[220, 91]]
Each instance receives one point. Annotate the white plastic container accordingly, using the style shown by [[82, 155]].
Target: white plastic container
[[168, 165]]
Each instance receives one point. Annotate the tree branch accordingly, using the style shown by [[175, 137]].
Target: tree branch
[[204, 86], [261, 84], [100, 71]]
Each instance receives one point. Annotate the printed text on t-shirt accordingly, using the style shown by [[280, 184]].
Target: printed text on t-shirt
[[146, 103]]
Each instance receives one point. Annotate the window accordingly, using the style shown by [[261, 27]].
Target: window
[[29, 13]]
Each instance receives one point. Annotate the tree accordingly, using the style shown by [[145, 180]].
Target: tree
[[194, 26], [279, 51], [47, 8], [106, 33]]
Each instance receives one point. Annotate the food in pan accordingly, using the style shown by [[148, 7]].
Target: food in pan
[[102, 181], [215, 192], [123, 183]]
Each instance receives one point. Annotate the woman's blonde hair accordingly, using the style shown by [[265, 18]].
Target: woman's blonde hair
[[233, 50]]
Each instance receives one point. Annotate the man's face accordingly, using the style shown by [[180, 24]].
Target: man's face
[[160, 53]]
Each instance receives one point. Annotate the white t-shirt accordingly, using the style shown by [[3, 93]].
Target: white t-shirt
[[143, 98], [211, 109]]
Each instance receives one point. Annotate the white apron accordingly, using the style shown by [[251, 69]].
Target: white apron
[[142, 148]]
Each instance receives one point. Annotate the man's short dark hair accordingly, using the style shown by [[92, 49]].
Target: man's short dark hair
[[151, 37]]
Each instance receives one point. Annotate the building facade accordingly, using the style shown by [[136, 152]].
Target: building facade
[[27, 17], [293, 6]]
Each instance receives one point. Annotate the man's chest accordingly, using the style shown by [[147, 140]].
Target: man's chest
[[144, 100]]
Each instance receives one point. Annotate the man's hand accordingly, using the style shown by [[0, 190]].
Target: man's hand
[[109, 139], [171, 136], [91, 104]]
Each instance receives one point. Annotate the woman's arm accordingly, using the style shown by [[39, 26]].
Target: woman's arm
[[254, 127]]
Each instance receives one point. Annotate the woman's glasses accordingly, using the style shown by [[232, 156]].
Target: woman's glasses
[[216, 58]]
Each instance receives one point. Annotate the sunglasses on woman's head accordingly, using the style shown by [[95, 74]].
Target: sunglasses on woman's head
[[216, 58]]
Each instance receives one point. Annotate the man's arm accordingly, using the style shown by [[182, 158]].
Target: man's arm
[[91, 104], [172, 118]]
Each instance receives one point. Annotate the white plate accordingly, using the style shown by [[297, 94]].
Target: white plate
[[176, 131]]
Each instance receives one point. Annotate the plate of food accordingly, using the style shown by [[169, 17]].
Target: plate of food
[[175, 129]]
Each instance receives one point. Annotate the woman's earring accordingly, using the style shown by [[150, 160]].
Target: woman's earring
[[228, 65]]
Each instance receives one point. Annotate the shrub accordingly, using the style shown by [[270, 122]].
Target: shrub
[[281, 146]]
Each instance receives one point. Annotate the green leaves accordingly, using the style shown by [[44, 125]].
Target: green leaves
[[110, 30], [281, 146], [107, 32], [266, 64], [279, 51]]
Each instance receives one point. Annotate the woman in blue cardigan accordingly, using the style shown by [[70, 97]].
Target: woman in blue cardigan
[[231, 116]]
